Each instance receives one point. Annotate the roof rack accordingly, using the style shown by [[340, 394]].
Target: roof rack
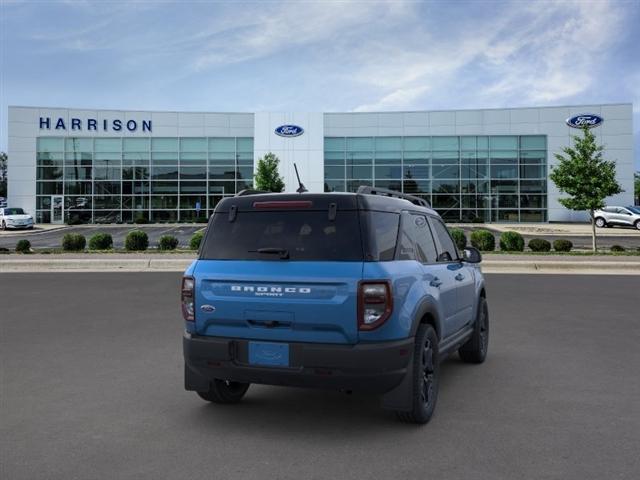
[[249, 191], [366, 189]]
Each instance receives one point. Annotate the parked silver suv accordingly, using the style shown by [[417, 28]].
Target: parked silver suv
[[610, 216]]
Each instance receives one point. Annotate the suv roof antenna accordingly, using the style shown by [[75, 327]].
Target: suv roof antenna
[[301, 188]]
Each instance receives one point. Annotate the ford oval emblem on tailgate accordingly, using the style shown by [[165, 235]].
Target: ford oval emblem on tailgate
[[208, 308]]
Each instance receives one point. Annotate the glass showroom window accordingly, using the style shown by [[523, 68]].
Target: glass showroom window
[[466, 178], [111, 180]]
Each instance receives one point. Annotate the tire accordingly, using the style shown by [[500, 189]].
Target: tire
[[223, 391], [4, 225], [637, 224], [601, 222], [426, 376], [475, 350]]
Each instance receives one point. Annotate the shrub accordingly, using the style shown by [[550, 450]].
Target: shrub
[[617, 248], [539, 245], [459, 237], [511, 242], [483, 240], [477, 220], [194, 244], [142, 220], [136, 240], [167, 242], [202, 220], [101, 241], [74, 220], [73, 242], [562, 245], [23, 246], [4, 250]]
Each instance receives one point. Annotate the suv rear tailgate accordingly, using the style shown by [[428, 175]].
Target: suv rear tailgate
[[300, 301]]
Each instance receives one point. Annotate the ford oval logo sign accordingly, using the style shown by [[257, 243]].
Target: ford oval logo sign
[[583, 120], [289, 131]]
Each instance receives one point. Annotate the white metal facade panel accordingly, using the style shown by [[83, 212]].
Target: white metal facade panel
[[306, 150]]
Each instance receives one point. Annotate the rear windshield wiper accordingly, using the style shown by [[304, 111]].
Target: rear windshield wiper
[[283, 252]]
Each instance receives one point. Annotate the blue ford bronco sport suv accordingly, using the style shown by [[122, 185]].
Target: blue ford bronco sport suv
[[353, 291]]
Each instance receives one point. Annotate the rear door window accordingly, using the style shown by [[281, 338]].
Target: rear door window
[[447, 251], [303, 235], [425, 246], [416, 241]]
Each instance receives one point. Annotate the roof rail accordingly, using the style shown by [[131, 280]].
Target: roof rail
[[249, 191], [366, 189]]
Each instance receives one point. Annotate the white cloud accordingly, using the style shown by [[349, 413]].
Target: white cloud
[[532, 53], [400, 98], [556, 55], [259, 32]]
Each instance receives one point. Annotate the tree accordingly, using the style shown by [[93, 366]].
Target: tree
[[267, 177], [585, 176], [636, 187], [3, 174]]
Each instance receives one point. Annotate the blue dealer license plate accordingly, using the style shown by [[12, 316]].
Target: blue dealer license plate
[[267, 353]]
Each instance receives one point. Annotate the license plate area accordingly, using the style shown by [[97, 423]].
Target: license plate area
[[269, 354]]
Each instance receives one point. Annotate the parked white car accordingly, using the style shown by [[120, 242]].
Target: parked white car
[[624, 216], [15, 218]]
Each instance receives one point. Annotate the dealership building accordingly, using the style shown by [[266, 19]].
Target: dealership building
[[492, 165]]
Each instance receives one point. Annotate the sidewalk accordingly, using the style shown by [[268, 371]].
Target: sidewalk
[[178, 262]]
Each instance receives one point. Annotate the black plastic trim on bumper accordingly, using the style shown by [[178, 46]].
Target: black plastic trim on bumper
[[370, 367]]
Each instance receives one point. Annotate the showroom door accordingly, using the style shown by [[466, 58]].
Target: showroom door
[[57, 209]]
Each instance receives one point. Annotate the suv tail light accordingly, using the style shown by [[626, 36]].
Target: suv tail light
[[188, 298], [375, 304]]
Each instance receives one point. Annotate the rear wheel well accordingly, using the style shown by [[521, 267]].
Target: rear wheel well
[[428, 319]]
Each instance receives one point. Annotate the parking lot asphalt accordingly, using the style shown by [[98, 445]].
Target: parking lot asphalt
[[53, 238], [91, 377]]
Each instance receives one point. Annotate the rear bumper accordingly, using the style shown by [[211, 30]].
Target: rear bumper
[[371, 367]]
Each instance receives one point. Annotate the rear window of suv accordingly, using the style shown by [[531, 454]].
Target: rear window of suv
[[284, 235]]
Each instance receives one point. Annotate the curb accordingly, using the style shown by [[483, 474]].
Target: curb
[[97, 265], [180, 264], [562, 267]]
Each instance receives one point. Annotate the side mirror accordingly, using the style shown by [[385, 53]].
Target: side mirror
[[471, 255]]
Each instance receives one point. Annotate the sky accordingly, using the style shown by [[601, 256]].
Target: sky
[[318, 55]]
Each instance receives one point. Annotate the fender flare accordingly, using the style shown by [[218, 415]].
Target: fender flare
[[427, 307]]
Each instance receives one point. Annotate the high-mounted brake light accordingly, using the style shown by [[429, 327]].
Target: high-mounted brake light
[[375, 304], [284, 204], [187, 298]]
